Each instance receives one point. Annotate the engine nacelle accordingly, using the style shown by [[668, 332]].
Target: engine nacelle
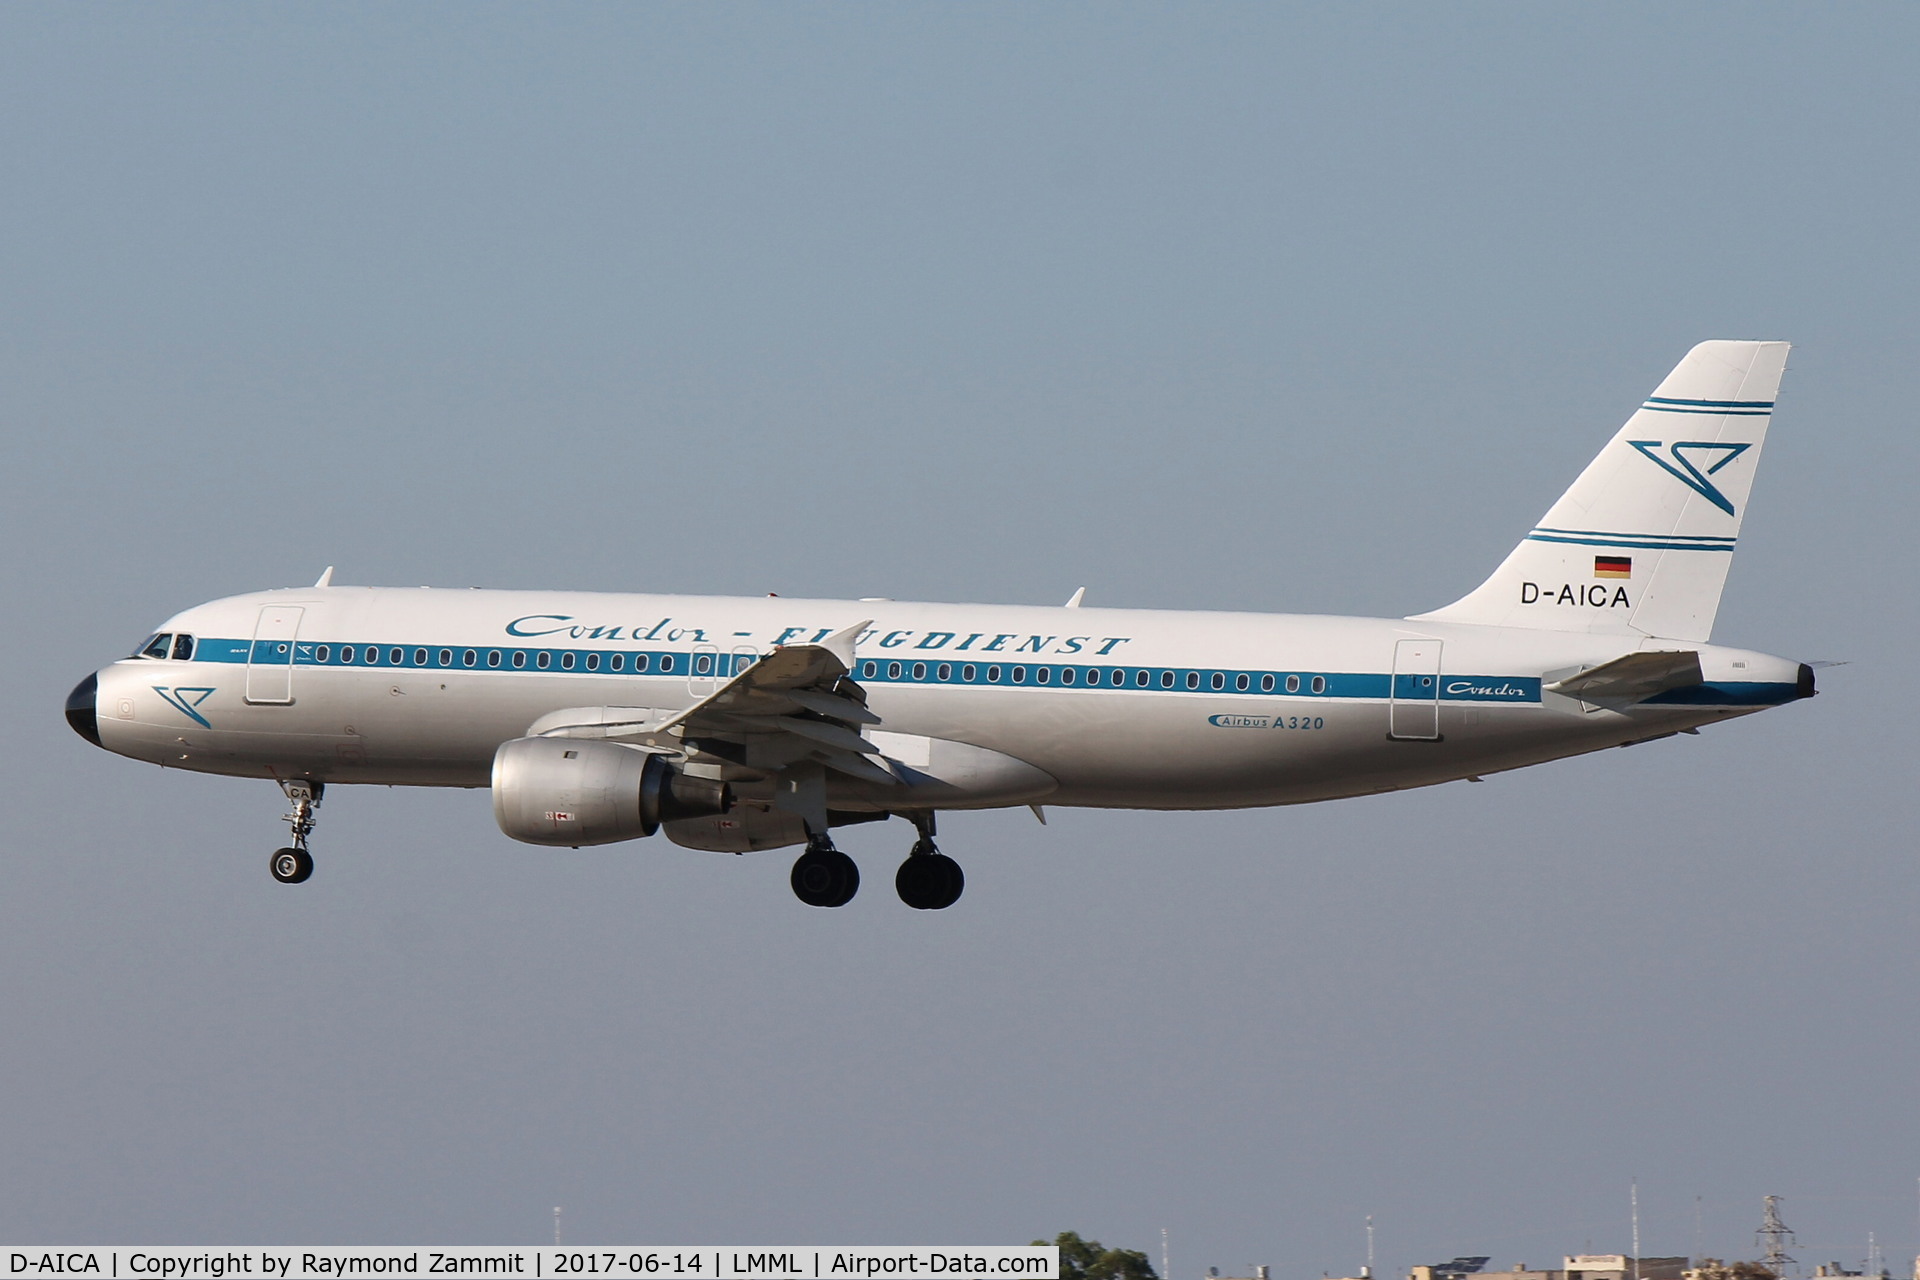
[[578, 791]]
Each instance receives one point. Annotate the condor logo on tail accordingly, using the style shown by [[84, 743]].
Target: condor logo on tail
[[1682, 469]]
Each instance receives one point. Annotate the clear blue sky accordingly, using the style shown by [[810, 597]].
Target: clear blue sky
[[1266, 307]]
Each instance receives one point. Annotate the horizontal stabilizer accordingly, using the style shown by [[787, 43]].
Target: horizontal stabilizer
[[1634, 678]]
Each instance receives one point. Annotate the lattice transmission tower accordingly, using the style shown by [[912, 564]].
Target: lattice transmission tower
[[1774, 1237]]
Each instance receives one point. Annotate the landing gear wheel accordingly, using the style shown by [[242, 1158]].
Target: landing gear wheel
[[291, 866], [825, 877], [929, 881]]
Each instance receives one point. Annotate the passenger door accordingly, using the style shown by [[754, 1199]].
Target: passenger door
[[1413, 707], [270, 660]]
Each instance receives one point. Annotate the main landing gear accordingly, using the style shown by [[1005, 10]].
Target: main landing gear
[[294, 864], [928, 880], [823, 876]]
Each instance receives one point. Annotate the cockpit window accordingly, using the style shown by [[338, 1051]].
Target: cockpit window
[[183, 648], [156, 647]]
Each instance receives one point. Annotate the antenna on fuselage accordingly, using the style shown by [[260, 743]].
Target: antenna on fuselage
[[326, 579], [1078, 596]]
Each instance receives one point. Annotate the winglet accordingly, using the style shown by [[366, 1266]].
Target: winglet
[[1078, 596], [840, 643], [326, 579]]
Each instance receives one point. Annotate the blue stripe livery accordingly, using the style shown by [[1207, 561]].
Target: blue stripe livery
[[1729, 693], [1719, 408], [1376, 686], [1646, 542], [1312, 686]]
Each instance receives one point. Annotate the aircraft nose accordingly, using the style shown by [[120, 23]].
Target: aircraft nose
[[80, 712]]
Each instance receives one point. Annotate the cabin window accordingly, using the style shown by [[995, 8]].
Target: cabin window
[[1066, 675], [1193, 679], [1319, 684], [593, 662], [183, 648], [323, 654], [993, 675], [968, 672], [1043, 674], [1166, 679], [419, 657], [346, 653], [642, 661], [919, 671], [446, 657], [493, 657], [945, 671], [372, 656], [396, 656], [867, 669], [519, 658], [1119, 676], [666, 662], [566, 660], [893, 671], [1241, 682], [703, 664], [543, 660], [1219, 680], [1266, 683], [1142, 678], [616, 662], [1019, 675], [1293, 684]]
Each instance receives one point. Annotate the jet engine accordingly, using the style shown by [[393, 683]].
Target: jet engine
[[577, 791]]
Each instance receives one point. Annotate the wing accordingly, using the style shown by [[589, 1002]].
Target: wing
[[797, 704]]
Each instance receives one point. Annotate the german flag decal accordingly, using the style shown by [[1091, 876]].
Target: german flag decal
[[1613, 566]]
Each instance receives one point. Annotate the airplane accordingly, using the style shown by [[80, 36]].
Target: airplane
[[745, 724]]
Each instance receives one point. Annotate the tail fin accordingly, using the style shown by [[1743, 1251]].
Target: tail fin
[[1641, 544]]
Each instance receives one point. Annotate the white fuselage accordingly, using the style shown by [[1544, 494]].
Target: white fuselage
[[1121, 708]]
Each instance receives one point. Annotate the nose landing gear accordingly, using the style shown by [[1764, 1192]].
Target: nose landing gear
[[928, 880], [294, 864]]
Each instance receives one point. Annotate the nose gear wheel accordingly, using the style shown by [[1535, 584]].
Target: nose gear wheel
[[293, 864]]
